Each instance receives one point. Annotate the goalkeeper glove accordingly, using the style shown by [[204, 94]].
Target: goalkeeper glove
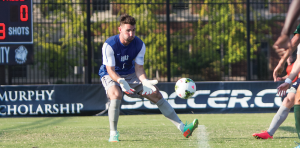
[[125, 86], [148, 86]]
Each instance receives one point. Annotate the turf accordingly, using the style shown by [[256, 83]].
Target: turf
[[142, 131]]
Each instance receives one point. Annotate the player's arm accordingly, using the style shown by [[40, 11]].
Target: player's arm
[[280, 67], [148, 85], [109, 61], [294, 73], [283, 42], [282, 78], [139, 64], [296, 69], [112, 73], [140, 72], [292, 15]]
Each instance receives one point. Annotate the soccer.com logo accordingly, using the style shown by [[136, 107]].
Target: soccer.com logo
[[216, 99]]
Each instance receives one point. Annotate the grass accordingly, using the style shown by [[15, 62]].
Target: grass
[[144, 131]]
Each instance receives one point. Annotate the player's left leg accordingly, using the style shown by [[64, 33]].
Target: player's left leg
[[167, 110], [297, 112], [279, 117]]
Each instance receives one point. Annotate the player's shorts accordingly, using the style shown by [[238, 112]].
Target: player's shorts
[[294, 87], [131, 79]]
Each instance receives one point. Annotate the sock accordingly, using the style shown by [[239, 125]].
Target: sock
[[278, 119], [167, 110], [297, 118], [113, 115]]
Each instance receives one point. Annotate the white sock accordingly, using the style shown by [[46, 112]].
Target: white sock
[[113, 114], [112, 133], [181, 127], [278, 119], [167, 110]]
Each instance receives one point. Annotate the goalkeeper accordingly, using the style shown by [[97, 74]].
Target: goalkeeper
[[122, 71]]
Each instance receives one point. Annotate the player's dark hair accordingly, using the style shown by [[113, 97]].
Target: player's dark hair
[[127, 19]]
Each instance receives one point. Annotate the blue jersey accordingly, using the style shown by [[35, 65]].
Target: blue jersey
[[123, 55]]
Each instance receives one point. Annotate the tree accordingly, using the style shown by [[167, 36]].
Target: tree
[[69, 26], [219, 39]]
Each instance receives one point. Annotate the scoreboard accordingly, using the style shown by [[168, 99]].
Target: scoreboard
[[16, 22], [16, 32]]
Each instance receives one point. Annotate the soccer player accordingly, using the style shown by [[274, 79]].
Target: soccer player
[[122, 71], [283, 87], [285, 107]]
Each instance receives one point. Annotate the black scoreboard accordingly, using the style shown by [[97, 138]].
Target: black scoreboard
[[16, 22], [16, 32]]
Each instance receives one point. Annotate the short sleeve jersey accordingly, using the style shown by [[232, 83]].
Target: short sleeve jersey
[[114, 53], [297, 31]]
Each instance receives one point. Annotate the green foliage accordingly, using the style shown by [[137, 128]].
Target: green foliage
[[204, 49], [52, 7], [220, 38], [59, 58]]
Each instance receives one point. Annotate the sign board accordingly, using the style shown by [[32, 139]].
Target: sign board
[[16, 32]]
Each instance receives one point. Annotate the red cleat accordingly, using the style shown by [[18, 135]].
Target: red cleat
[[262, 135]]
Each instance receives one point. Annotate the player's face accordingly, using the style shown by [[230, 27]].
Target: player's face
[[127, 33]]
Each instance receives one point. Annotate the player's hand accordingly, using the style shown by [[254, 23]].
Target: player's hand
[[279, 79], [277, 71], [281, 89], [148, 86], [282, 44], [125, 86]]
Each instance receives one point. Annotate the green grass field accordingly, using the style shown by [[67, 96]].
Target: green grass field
[[139, 131]]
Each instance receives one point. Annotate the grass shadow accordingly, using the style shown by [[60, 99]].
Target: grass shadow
[[33, 125], [288, 129]]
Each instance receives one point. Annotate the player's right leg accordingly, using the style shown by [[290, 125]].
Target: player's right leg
[[115, 95], [279, 117], [167, 110]]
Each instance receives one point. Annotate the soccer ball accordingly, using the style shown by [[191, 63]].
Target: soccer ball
[[185, 88]]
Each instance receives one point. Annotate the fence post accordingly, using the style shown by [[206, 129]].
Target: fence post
[[89, 50], [168, 41], [248, 42]]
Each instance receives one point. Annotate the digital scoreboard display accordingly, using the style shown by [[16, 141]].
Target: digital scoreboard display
[[16, 22], [16, 32]]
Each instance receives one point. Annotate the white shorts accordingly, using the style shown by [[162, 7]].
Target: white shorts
[[131, 79], [292, 90]]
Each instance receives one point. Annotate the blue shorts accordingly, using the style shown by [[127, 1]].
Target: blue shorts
[[296, 84]]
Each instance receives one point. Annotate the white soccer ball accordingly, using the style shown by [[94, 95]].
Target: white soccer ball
[[185, 88]]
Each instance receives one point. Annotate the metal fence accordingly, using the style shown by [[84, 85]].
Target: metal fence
[[219, 40]]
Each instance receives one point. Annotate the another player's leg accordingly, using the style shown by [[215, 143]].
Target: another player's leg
[[167, 110], [279, 117], [297, 112]]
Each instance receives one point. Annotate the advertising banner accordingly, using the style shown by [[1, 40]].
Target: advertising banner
[[51, 100], [214, 97], [78, 100]]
